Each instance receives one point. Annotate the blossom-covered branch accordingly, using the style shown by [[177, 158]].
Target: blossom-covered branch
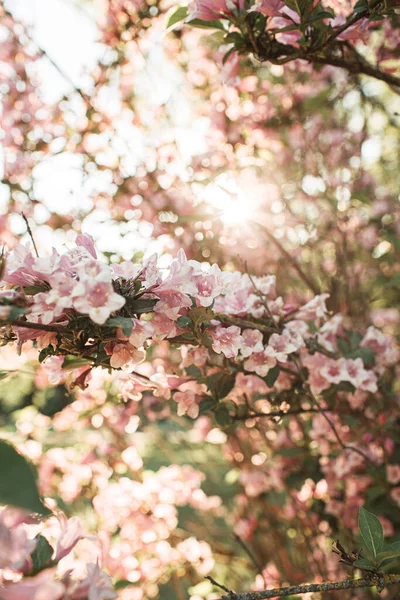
[[279, 32]]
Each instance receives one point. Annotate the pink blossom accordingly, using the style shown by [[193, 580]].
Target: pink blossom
[[15, 544], [187, 403], [334, 371], [125, 357], [207, 287], [41, 587], [209, 10], [315, 309], [255, 483], [393, 474], [86, 240], [261, 362], [179, 278], [197, 554], [97, 299], [141, 331], [252, 342], [284, 344], [171, 304], [359, 377], [96, 586], [71, 533], [329, 331], [227, 340], [269, 8]]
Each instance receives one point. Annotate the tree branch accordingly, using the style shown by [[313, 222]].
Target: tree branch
[[359, 67], [40, 326], [347, 584], [279, 413]]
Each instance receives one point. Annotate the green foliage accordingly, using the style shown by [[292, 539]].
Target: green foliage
[[364, 564], [52, 400], [207, 404], [124, 322], [371, 531], [176, 15], [193, 371], [350, 348], [18, 481], [15, 313], [41, 556], [74, 362], [271, 376], [220, 384], [222, 416]]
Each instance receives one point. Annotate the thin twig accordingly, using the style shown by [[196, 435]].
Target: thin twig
[[222, 587], [244, 323], [279, 413], [313, 287], [250, 554], [28, 227], [350, 22]]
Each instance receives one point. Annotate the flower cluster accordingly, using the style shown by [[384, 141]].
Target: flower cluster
[[31, 568], [110, 315]]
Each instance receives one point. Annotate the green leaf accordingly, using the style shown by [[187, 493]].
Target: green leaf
[[142, 305], [207, 405], [18, 481], [227, 55], [45, 352], [364, 564], [122, 583], [390, 551], [52, 400], [184, 322], [200, 316], [319, 16], [271, 376], [371, 531], [31, 290], [234, 38], [74, 362], [206, 24], [41, 556], [193, 371], [355, 339], [222, 416], [343, 346], [15, 313], [176, 15], [220, 384], [124, 322]]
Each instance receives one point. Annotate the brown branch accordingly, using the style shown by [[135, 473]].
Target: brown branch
[[347, 584], [279, 413], [244, 323], [41, 326], [359, 67]]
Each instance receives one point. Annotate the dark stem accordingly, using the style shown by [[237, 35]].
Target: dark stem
[[313, 287], [30, 233], [41, 326], [279, 413]]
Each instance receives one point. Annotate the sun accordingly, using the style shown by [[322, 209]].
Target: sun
[[233, 206]]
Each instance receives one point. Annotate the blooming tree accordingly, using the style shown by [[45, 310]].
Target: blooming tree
[[200, 400]]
